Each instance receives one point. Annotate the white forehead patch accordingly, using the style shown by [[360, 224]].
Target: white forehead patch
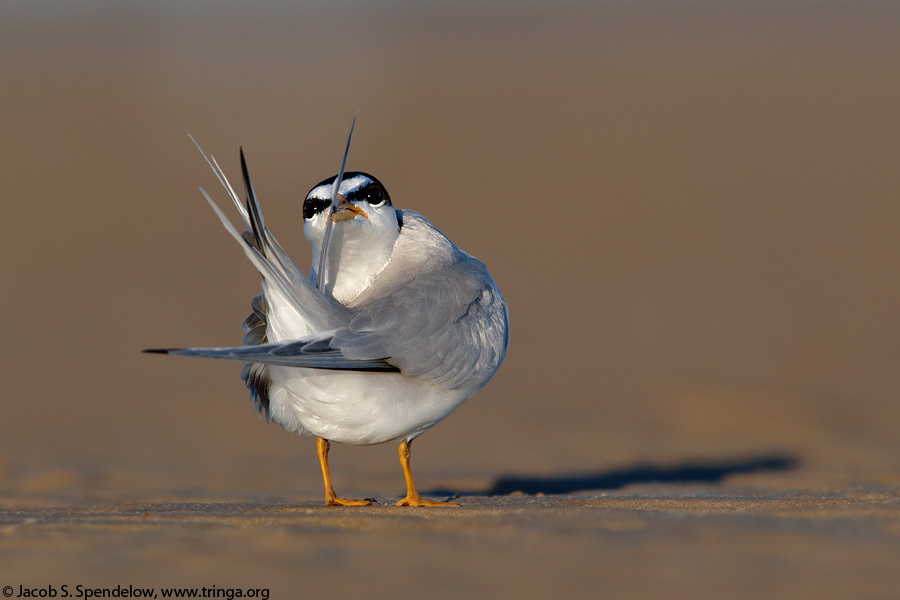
[[323, 192]]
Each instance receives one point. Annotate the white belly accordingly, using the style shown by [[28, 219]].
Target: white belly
[[357, 408], [347, 406]]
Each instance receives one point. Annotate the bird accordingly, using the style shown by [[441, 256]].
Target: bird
[[394, 328]]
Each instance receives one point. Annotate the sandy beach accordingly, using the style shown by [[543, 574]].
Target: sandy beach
[[691, 209]]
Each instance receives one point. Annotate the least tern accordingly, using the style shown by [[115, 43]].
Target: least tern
[[395, 328]]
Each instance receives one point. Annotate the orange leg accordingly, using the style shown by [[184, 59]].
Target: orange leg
[[412, 496], [330, 497]]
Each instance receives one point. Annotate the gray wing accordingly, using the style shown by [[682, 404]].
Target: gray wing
[[271, 260], [449, 325], [314, 352]]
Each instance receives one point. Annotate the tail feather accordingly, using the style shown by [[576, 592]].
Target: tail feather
[[220, 175], [329, 217], [268, 256], [265, 267], [257, 226], [265, 241]]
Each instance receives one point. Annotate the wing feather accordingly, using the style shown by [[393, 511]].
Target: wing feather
[[313, 352], [437, 315], [270, 259]]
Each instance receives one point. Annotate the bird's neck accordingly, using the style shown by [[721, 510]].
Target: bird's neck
[[353, 263]]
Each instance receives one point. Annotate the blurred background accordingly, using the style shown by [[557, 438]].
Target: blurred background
[[690, 207]]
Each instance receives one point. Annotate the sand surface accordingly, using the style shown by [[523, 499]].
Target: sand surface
[[647, 542], [691, 209]]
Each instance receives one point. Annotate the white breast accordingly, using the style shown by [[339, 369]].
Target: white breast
[[345, 406], [357, 408]]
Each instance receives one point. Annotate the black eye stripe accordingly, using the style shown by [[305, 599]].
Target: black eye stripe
[[371, 192], [313, 206]]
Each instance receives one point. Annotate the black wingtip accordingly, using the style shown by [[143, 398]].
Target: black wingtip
[[158, 350], [257, 225], [248, 187], [245, 172]]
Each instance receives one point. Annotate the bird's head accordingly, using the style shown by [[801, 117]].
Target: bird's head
[[362, 204], [365, 223]]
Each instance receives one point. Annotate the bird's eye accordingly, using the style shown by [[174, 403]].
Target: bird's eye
[[313, 206], [373, 193], [374, 196]]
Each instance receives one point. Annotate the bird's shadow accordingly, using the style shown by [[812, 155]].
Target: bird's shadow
[[700, 471]]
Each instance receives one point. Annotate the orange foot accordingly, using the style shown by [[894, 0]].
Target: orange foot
[[412, 496], [418, 500], [335, 501], [332, 499]]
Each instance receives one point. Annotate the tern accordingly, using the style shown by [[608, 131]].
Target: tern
[[393, 330]]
